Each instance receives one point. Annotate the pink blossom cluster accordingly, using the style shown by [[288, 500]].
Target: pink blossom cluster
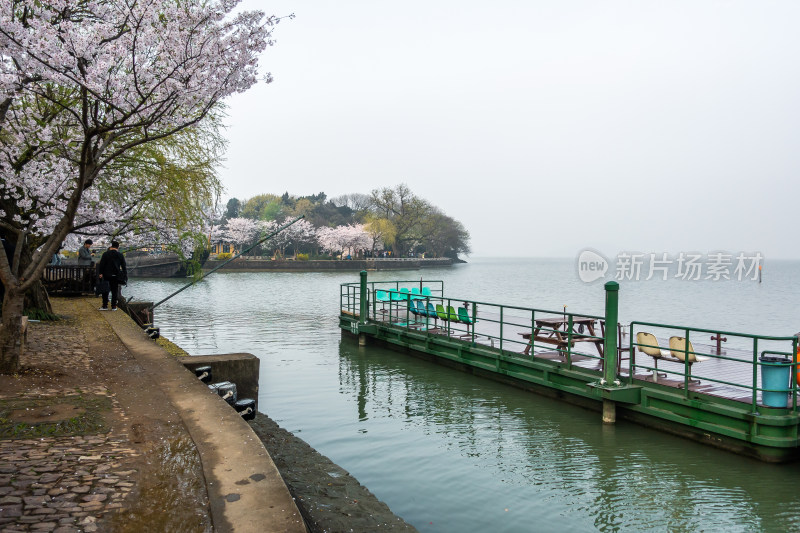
[[84, 81], [344, 238], [244, 231]]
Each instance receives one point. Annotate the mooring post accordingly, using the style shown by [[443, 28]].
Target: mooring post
[[362, 315], [610, 347], [610, 342], [609, 412]]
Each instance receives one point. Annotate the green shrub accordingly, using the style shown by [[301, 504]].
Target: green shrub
[[40, 314], [193, 268], [224, 256], [302, 257]]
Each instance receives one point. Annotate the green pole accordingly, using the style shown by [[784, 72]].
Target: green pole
[[362, 317], [610, 342]]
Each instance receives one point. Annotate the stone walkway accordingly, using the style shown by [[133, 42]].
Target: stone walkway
[[103, 430], [61, 484], [84, 476]]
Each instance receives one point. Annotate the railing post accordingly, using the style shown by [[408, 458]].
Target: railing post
[[362, 318], [755, 375], [610, 342], [687, 367], [374, 300], [610, 349], [631, 356], [501, 330], [475, 319], [569, 340], [408, 312], [364, 308]]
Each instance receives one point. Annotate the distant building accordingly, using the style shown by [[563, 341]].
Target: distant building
[[223, 248]]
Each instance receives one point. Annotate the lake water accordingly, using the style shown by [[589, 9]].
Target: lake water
[[452, 452]]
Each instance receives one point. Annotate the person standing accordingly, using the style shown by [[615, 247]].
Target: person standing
[[85, 253], [113, 269], [56, 260]]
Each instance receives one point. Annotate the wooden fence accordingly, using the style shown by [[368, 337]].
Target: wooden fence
[[70, 279]]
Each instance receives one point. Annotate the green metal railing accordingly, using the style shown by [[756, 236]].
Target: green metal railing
[[733, 371], [742, 354], [350, 294], [501, 326]]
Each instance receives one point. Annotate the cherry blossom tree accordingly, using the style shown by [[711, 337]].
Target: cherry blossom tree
[[242, 231], [357, 238], [278, 242], [173, 201], [300, 233], [328, 239], [351, 237], [216, 233], [82, 83]]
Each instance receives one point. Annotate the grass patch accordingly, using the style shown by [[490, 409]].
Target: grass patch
[[40, 314], [171, 347], [53, 417]]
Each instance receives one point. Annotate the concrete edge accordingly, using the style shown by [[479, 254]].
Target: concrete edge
[[245, 489]]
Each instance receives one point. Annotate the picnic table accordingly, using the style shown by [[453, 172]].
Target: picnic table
[[556, 331]]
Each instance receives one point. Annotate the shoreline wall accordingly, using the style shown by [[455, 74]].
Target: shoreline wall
[[163, 265], [243, 265]]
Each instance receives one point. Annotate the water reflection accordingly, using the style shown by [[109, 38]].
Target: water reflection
[[560, 460]]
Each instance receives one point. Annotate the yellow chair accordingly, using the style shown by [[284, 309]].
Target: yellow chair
[[679, 347], [650, 348]]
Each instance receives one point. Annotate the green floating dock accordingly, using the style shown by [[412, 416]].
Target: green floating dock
[[708, 393]]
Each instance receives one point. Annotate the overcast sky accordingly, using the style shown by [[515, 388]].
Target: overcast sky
[[545, 127]]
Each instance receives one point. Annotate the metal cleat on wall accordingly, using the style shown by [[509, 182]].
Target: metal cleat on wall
[[246, 407], [203, 373], [226, 390]]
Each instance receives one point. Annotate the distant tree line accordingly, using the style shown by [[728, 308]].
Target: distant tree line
[[388, 220]]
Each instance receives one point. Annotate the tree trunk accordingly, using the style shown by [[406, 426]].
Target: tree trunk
[[11, 331], [37, 298], [13, 305]]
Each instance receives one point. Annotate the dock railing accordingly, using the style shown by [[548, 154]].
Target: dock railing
[[731, 371], [509, 329], [350, 294]]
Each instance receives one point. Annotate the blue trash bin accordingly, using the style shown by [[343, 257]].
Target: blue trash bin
[[776, 373]]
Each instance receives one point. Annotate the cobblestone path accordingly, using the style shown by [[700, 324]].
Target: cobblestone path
[[63, 483]]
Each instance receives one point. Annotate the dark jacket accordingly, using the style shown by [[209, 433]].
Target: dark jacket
[[84, 256], [112, 266]]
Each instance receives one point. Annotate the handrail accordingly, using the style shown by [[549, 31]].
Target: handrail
[[506, 316], [715, 331], [748, 350], [478, 302]]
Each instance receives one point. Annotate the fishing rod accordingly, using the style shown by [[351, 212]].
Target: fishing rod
[[150, 309]]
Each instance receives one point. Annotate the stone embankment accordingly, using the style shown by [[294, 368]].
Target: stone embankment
[[247, 264]]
